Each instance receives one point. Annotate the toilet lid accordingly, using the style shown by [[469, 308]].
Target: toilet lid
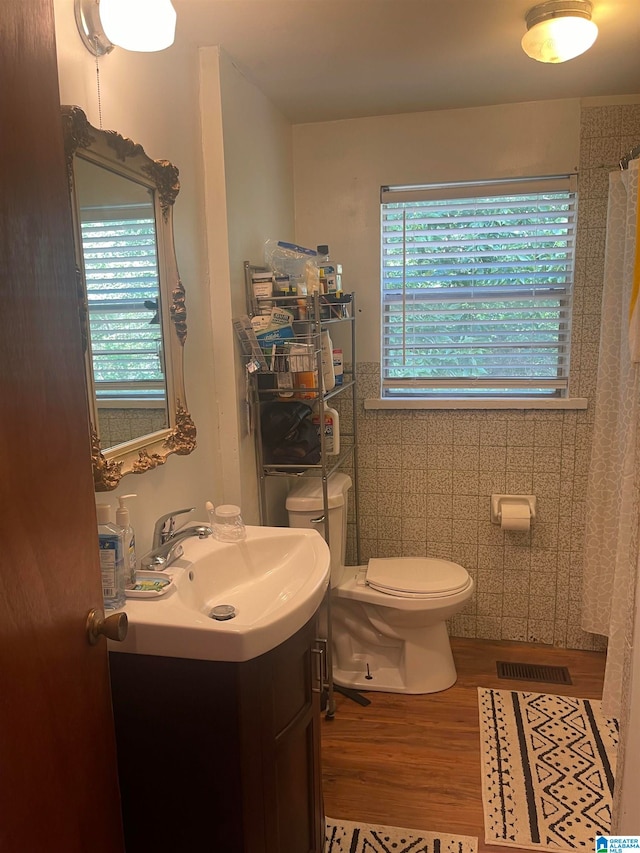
[[416, 576]]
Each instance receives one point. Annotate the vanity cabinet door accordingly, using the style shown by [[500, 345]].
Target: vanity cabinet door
[[289, 681]]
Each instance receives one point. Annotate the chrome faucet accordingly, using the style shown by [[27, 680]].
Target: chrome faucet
[[165, 526], [166, 540]]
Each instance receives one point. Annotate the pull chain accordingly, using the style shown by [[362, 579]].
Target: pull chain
[[98, 84]]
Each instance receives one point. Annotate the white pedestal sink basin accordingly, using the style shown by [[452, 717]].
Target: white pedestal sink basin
[[274, 580]]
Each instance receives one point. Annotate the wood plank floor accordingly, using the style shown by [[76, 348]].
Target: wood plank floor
[[414, 761]]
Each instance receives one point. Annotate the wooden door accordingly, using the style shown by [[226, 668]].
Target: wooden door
[[58, 781]]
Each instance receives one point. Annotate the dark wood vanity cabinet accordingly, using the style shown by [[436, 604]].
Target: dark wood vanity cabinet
[[221, 756]]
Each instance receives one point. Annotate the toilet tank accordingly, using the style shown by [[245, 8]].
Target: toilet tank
[[305, 503]]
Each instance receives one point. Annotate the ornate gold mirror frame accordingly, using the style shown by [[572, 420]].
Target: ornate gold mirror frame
[[125, 158]]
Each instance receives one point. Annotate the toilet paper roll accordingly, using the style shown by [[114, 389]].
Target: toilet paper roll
[[515, 516]]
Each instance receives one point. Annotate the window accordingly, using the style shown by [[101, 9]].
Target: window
[[476, 289], [121, 270]]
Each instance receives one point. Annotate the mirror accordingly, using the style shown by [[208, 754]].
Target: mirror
[[132, 302]]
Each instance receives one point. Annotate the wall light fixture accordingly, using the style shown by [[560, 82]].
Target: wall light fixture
[[559, 30], [138, 25]]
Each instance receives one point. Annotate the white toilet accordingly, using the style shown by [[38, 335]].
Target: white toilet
[[388, 617]]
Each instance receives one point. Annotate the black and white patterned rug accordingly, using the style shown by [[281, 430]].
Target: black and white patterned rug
[[344, 836], [548, 769]]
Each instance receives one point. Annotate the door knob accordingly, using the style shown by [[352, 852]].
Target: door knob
[[113, 627]]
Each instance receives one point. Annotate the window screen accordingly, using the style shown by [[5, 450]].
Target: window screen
[[476, 288]]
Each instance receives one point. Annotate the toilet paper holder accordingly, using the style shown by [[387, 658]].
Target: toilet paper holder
[[497, 500]]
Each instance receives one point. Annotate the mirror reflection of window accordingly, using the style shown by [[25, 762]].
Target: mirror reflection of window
[[125, 321]]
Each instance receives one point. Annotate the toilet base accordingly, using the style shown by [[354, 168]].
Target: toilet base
[[384, 679], [421, 663]]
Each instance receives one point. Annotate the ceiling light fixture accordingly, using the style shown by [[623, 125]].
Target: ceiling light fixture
[[559, 30], [138, 25]]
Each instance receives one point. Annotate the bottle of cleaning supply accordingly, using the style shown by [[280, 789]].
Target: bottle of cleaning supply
[[328, 375], [123, 520], [111, 544], [329, 273], [322, 259], [331, 429], [338, 366]]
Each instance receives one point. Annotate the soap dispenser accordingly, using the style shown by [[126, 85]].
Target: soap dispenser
[[123, 520]]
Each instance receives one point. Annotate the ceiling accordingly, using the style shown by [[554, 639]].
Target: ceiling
[[319, 60]]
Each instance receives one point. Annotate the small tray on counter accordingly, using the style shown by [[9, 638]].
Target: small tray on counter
[[145, 581]]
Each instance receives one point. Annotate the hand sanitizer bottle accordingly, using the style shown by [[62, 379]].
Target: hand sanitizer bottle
[[122, 520], [111, 542]]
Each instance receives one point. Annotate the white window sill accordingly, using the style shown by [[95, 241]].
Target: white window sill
[[490, 403]]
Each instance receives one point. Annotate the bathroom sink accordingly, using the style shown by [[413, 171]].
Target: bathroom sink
[[274, 580]]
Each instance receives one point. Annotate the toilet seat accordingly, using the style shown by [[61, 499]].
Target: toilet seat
[[416, 577]]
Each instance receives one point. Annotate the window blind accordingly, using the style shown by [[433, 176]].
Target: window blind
[[121, 270], [476, 288]]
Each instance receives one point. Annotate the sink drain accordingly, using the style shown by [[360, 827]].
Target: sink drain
[[222, 612]]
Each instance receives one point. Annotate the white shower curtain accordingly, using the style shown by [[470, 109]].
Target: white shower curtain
[[613, 502]]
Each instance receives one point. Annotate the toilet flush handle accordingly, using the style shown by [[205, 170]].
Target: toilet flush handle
[[319, 520]]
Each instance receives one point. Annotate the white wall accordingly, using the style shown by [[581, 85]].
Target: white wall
[[153, 98], [248, 155], [339, 168]]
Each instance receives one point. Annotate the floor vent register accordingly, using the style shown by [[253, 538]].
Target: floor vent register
[[533, 672]]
